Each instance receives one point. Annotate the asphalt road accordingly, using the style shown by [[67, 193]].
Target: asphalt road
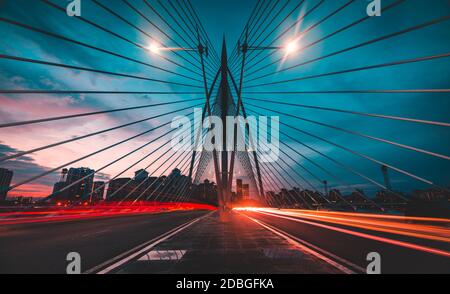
[[353, 248], [225, 244], [43, 247], [404, 246]]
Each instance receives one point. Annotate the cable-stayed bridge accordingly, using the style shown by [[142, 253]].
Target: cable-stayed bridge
[[360, 132]]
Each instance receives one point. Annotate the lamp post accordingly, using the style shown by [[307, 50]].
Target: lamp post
[[201, 50], [224, 178], [290, 47]]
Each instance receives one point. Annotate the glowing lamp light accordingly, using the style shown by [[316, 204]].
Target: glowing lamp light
[[291, 47], [155, 48]]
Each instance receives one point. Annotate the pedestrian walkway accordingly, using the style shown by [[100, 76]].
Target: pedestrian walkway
[[234, 244]]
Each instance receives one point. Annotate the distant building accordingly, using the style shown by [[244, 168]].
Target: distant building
[[297, 195], [432, 194], [245, 191], [151, 180], [387, 197], [357, 196], [239, 189], [5, 182], [57, 187], [98, 191], [82, 181], [119, 188], [271, 197], [335, 195], [175, 185], [140, 175], [284, 197], [138, 187], [75, 184], [206, 192], [22, 201], [175, 173], [233, 196]]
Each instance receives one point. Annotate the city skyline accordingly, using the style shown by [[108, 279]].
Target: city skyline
[[79, 186]]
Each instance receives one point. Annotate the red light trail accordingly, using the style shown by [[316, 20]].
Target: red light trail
[[59, 214], [434, 229]]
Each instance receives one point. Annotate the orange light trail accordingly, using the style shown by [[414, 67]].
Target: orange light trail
[[385, 224], [379, 216]]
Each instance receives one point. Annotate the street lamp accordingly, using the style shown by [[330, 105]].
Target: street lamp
[[202, 51], [155, 48], [290, 47]]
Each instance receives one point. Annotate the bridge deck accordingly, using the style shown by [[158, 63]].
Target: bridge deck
[[236, 245]]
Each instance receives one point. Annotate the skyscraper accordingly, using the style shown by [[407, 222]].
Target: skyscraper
[[387, 181], [119, 189], [98, 191], [5, 181], [83, 182], [245, 191], [239, 189], [58, 186]]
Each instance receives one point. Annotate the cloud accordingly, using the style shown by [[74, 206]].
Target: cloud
[[24, 168]]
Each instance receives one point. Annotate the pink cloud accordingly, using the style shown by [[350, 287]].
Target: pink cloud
[[32, 136]]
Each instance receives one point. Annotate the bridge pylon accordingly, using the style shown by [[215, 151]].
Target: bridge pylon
[[224, 106], [225, 102]]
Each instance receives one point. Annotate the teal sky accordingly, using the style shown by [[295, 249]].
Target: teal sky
[[229, 18]]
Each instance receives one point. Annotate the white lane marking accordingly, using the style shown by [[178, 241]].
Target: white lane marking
[[163, 255], [133, 253], [306, 246], [366, 236]]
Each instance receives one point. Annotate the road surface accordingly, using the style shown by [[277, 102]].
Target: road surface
[[43, 247], [405, 245], [242, 241]]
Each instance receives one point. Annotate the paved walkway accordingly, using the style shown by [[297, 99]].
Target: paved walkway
[[236, 246]]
